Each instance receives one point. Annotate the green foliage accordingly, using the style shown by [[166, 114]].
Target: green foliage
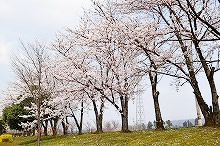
[[139, 127], [184, 136], [2, 126], [12, 116], [149, 125], [27, 102], [144, 126], [187, 124], [169, 124]]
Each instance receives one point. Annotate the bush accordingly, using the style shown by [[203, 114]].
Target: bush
[[6, 138]]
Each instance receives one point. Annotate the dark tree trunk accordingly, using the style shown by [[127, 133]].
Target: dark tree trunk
[[65, 127], [99, 116], [124, 114], [33, 131], [209, 75], [45, 125], [212, 118], [159, 121], [155, 94], [81, 119], [124, 127], [123, 111], [192, 75], [99, 120], [53, 124], [153, 79], [79, 125], [38, 121], [207, 113]]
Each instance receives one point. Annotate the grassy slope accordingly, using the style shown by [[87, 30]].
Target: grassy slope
[[189, 136]]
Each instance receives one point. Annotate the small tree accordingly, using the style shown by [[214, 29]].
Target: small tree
[[12, 116], [149, 125], [189, 124], [143, 126], [169, 124], [108, 126], [185, 124], [115, 125]]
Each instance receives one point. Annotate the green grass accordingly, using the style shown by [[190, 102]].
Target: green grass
[[188, 136]]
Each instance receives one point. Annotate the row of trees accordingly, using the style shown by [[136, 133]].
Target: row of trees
[[104, 60], [168, 124]]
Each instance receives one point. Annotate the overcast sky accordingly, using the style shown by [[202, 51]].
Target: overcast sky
[[28, 20], [42, 19]]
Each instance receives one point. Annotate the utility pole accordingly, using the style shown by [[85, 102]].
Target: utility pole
[[198, 114]]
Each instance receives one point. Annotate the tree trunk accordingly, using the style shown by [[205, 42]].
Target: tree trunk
[[99, 123], [53, 124], [79, 125], [64, 127], [99, 116], [212, 118], [155, 94], [194, 83], [192, 75], [33, 130], [38, 122], [159, 121], [124, 123], [45, 127], [124, 114], [209, 75], [81, 119]]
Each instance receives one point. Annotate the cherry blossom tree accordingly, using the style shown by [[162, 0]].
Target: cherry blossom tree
[[190, 35], [113, 64], [131, 35]]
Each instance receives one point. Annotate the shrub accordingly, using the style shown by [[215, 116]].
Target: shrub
[[6, 138]]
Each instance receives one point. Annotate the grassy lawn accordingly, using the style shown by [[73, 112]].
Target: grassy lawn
[[188, 136]]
